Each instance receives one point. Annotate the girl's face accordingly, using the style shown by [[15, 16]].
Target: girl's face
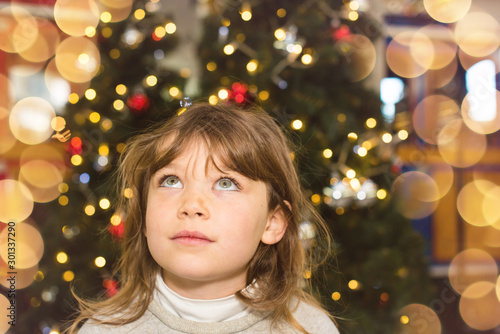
[[203, 226]]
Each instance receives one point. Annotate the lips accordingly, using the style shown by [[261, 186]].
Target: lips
[[191, 238]]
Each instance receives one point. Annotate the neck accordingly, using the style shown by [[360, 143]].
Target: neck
[[204, 290]]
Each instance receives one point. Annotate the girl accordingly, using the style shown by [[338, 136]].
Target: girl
[[212, 238]]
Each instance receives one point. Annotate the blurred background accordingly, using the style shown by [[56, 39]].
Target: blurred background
[[393, 105]]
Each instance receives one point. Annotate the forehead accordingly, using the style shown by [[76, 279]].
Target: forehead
[[194, 151]]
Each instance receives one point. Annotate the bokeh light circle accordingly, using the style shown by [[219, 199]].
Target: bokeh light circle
[[444, 48], [478, 34], [19, 29], [59, 87], [74, 16], [77, 59], [24, 277], [29, 245], [474, 205], [7, 139], [439, 78], [30, 120], [447, 11], [16, 201], [4, 305], [416, 194], [432, 114], [361, 55], [418, 319], [45, 44], [471, 266], [119, 10], [480, 307], [399, 54], [467, 61], [460, 146], [483, 127]]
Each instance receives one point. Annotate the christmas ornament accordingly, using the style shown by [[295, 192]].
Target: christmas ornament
[[138, 103]]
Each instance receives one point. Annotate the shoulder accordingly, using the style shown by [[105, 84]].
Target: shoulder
[[145, 324], [313, 319]]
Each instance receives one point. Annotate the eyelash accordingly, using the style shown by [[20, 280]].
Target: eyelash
[[164, 177]]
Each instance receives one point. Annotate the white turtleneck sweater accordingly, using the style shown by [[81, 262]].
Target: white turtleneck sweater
[[213, 310]]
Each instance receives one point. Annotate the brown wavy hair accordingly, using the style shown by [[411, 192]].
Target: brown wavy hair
[[248, 141]]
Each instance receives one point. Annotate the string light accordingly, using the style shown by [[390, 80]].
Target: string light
[[403, 134], [174, 91], [263, 95], [327, 153], [352, 136], [246, 12], [213, 100], [350, 173], [94, 117], [170, 28], [151, 80], [139, 14], [280, 34], [89, 210], [306, 59], [297, 124], [100, 261], [381, 193], [281, 12], [371, 123], [336, 296], [76, 160], [211, 66], [223, 94], [104, 203], [128, 193], [252, 65], [73, 98], [105, 17], [118, 105], [386, 137], [90, 94], [229, 49], [90, 31], [62, 257]]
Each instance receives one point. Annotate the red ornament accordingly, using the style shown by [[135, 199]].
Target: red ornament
[[340, 32], [239, 93], [111, 286], [138, 102], [117, 230]]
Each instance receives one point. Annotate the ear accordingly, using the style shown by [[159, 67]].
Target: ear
[[276, 226]]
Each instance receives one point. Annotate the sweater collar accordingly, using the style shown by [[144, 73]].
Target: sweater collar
[[213, 310]]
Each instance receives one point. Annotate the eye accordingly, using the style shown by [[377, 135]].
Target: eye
[[171, 181], [226, 183]]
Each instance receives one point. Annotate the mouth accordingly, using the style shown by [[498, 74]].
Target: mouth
[[191, 238]]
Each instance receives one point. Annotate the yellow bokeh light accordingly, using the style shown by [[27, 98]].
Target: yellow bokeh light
[[105, 17], [151, 80], [63, 200], [39, 276], [353, 284], [263, 95], [403, 134], [297, 124], [106, 32], [246, 15], [386, 137], [174, 91], [381, 193], [371, 123], [352, 136], [306, 59], [354, 5], [118, 105], [229, 49], [341, 118], [316, 199], [447, 11], [115, 220], [416, 194], [114, 54], [226, 22], [58, 123], [336, 295], [404, 319], [252, 65], [160, 31], [89, 210], [68, 275], [339, 211], [480, 307], [280, 34], [139, 14], [350, 173], [327, 153], [307, 274], [94, 117], [281, 12], [73, 98], [62, 257], [104, 203], [104, 149], [90, 94], [100, 261], [121, 89], [213, 100], [211, 66], [170, 28], [76, 160], [128, 193], [63, 188], [362, 152], [353, 15], [223, 94], [90, 31]]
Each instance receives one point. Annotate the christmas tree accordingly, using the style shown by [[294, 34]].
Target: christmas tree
[[304, 63]]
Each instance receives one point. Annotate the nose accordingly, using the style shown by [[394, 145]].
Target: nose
[[193, 204]]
